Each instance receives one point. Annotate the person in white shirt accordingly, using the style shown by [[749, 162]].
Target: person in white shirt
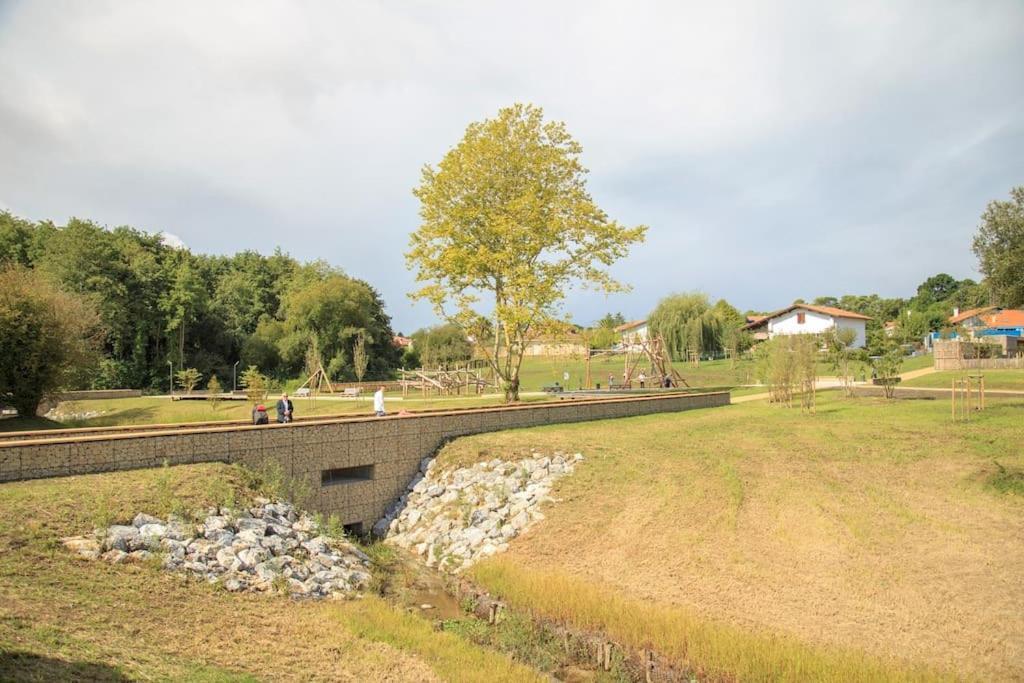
[[378, 402]]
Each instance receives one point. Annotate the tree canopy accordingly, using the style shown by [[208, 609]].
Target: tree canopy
[[999, 246], [442, 345], [158, 304], [689, 323], [47, 338], [507, 228]]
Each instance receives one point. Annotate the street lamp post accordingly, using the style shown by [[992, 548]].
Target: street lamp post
[[170, 377], [234, 377]]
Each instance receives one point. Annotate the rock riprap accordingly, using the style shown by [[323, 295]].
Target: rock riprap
[[270, 545], [452, 518]]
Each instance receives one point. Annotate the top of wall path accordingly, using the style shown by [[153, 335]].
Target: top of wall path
[[90, 434]]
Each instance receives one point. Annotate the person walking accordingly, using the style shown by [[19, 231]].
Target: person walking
[[259, 415], [642, 378], [284, 409], [378, 402]]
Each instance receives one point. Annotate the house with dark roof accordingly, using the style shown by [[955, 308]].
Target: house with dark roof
[[809, 319]]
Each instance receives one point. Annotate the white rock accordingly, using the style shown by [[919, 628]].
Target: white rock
[[213, 523], [226, 558], [250, 557], [114, 556], [142, 519]]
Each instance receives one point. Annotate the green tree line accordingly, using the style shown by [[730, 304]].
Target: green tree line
[[157, 304]]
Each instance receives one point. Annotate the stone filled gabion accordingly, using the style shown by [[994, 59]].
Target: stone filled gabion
[[270, 545], [453, 518]]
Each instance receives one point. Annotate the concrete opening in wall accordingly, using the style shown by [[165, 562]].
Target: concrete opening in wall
[[354, 529], [346, 475]]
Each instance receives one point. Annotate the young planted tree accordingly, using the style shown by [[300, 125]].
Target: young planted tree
[[887, 368], [508, 227], [214, 391], [255, 384], [188, 379], [840, 355], [360, 359]]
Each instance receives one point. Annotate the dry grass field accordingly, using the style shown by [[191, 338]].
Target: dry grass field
[[62, 618], [872, 540]]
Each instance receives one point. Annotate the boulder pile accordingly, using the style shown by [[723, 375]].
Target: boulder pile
[[455, 517], [271, 545]]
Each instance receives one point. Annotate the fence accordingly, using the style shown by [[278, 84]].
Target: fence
[[957, 354]]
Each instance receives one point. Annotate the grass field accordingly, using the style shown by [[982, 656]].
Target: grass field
[[67, 619], [1012, 380], [870, 541], [537, 372]]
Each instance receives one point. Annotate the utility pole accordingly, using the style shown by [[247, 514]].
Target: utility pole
[[170, 377], [234, 376]]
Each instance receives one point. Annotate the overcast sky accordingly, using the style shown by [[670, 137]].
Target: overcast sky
[[776, 150]]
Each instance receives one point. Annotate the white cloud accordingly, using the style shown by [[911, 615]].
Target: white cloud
[[173, 241], [740, 129]]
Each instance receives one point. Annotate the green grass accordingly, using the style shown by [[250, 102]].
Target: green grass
[[62, 618], [1007, 479], [1011, 380], [537, 372], [917, 363], [758, 543]]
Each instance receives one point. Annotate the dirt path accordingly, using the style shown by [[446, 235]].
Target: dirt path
[[916, 373], [830, 383]]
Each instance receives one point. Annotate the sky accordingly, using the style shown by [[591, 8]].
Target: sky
[[775, 150]]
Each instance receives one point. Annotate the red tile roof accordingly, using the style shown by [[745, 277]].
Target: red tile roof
[[970, 313], [1004, 318], [825, 310]]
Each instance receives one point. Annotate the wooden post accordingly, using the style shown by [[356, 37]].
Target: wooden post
[[967, 385], [952, 398]]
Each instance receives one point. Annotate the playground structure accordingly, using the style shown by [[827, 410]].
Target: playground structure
[[647, 356], [476, 377], [968, 395], [315, 384]]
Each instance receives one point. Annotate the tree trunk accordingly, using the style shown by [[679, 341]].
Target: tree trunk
[[27, 405], [512, 390]]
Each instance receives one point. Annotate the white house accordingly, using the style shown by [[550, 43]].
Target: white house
[[809, 319], [632, 335]]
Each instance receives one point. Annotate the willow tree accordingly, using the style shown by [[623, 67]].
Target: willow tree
[[688, 324], [507, 229]]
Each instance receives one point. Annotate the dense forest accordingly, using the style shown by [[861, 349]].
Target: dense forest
[[158, 305]]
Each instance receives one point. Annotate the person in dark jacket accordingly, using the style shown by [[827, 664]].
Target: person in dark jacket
[[284, 409], [259, 415]]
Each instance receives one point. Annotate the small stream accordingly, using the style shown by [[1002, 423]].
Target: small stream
[[424, 591]]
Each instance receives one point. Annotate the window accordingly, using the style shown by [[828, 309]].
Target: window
[[801, 318]]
